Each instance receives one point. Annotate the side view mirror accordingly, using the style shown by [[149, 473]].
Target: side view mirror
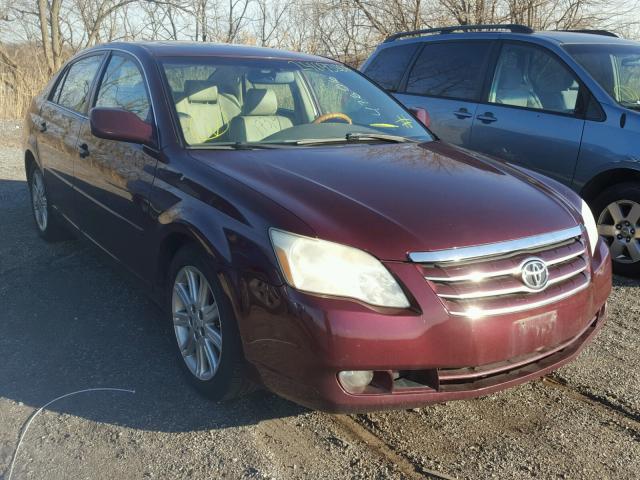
[[120, 125], [422, 115]]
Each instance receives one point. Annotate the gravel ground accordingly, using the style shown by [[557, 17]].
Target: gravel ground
[[69, 321]]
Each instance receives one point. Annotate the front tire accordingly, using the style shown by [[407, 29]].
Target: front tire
[[617, 213], [49, 226], [207, 339]]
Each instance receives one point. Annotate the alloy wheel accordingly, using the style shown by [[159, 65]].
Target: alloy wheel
[[39, 201], [619, 225], [196, 323]]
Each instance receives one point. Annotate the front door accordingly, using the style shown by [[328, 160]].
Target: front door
[[446, 80], [533, 114], [113, 179]]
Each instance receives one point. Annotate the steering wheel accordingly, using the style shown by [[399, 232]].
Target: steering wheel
[[330, 116]]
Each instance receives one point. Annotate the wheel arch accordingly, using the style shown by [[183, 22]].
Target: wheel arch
[[606, 179], [175, 237], [30, 163]]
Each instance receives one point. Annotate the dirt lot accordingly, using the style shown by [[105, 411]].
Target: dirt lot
[[69, 322]]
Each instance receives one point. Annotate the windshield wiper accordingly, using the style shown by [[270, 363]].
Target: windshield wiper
[[351, 137], [236, 146], [354, 137], [385, 137]]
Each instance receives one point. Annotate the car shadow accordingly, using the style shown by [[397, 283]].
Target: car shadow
[[70, 321]]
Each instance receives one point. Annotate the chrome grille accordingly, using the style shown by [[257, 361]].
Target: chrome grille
[[487, 280]]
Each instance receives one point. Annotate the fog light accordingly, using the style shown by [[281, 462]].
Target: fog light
[[355, 381]]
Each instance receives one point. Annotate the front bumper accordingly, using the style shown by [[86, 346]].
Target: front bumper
[[298, 343]]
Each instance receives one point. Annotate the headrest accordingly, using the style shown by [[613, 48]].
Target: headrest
[[552, 79], [260, 101], [200, 91], [511, 76]]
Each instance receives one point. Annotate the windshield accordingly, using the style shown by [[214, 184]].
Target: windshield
[[615, 67], [266, 102]]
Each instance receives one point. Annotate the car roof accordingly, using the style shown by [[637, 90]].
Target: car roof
[[557, 37], [579, 37], [181, 48]]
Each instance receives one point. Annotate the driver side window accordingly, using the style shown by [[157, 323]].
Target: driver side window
[[529, 77], [122, 86]]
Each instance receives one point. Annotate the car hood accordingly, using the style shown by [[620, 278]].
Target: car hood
[[394, 199]]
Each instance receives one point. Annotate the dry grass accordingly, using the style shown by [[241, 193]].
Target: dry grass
[[23, 74]]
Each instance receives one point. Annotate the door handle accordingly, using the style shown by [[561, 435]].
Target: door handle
[[43, 126], [462, 113], [487, 117], [83, 150]]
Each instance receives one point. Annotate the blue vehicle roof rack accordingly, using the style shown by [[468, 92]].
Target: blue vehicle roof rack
[[461, 28]]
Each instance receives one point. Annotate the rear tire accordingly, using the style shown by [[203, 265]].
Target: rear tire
[[207, 340], [48, 224], [617, 213]]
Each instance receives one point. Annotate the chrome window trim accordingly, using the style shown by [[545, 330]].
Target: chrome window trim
[[492, 249], [66, 110]]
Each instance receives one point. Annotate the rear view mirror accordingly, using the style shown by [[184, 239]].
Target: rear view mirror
[[421, 115], [273, 77], [120, 125]]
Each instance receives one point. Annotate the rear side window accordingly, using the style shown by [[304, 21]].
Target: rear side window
[[450, 69], [55, 92], [123, 87], [389, 65], [77, 84]]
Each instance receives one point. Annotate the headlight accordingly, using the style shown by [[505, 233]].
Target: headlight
[[590, 226], [328, 268]]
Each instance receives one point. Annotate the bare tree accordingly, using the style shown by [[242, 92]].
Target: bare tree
[[49, 20], [269, 21], [50, 31]]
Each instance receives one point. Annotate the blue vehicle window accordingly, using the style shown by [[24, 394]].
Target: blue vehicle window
[[615, 67], [389, 65], [530, 77], [450, 69]]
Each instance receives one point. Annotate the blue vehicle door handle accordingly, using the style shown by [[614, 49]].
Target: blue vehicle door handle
[[487, 117], [462, 113]]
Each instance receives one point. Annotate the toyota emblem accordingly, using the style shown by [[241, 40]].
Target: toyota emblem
[[535, 274]]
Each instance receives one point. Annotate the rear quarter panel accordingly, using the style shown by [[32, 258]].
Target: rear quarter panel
[[608, 145]]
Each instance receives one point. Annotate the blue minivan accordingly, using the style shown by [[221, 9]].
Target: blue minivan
[[566, 104]]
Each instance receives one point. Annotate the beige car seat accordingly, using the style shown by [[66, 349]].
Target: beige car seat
[[515, 89], [204, 113], [259, 117]]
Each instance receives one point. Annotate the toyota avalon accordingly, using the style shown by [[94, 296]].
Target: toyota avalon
[[303, 230]]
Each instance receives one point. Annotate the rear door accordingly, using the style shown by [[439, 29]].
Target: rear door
[[113, 179], [533, 115], [60, 119], [447, 80]]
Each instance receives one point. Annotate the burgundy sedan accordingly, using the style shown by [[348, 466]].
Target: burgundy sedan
[[305, 231]]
